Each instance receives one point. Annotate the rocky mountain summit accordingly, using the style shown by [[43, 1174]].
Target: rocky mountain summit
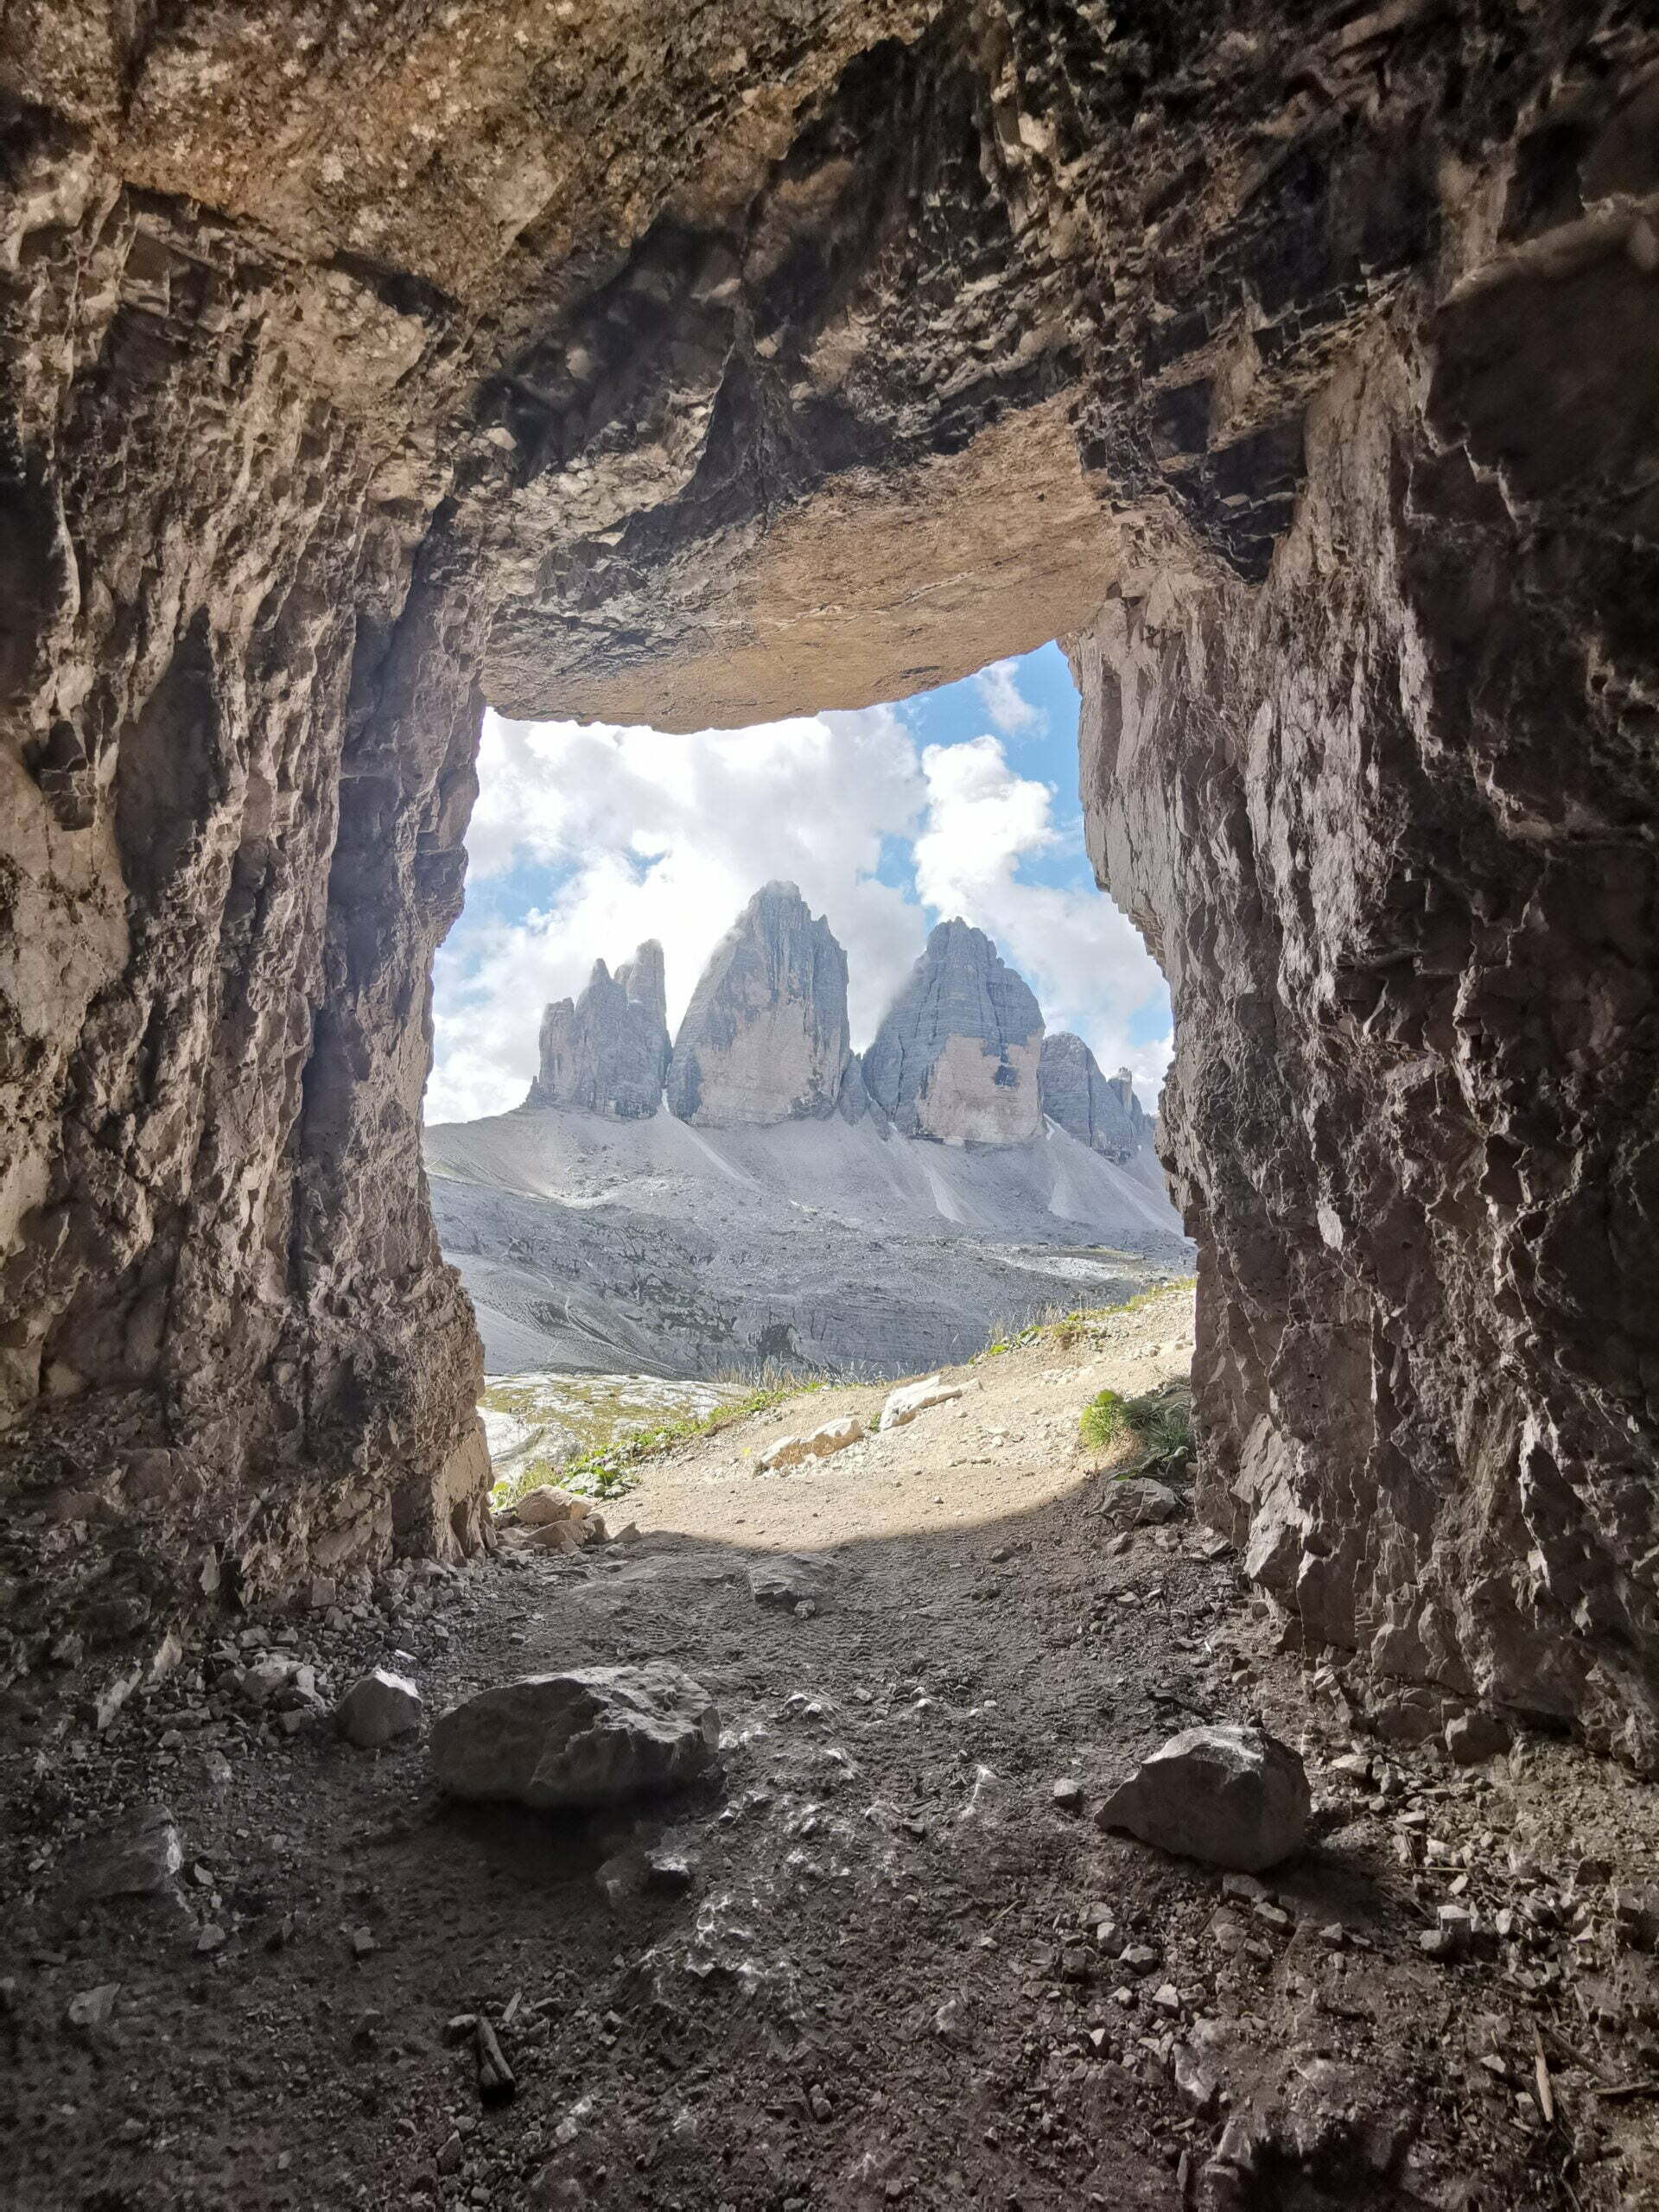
[[765, 1038], [1101, 1112], [958, 1053], [607, 1052], [960, 1058]]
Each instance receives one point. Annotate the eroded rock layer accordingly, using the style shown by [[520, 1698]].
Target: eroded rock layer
[[1100, 1111], [699, 368]]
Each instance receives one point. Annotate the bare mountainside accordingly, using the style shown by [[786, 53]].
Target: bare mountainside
[[663, 1248]]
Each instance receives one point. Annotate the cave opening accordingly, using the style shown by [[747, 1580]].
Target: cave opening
[[841, 1113], [670, 370]]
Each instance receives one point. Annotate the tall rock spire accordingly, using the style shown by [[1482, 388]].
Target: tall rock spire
[[957, 1055], [765, 1038], [1100, 1111], [607, 1053]]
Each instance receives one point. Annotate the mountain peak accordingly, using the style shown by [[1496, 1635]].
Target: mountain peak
[[607, 1053], [955, 1057], [765, 1038], [1100, 1111]]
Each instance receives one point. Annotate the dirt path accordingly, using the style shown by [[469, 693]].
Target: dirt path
[[890, 1967]]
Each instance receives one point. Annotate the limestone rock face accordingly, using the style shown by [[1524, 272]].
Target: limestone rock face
[[958, 1054], [1100, 1111], [607, 1053], [765, 1037]]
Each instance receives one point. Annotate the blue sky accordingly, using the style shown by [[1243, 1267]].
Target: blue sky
[[588, 838]]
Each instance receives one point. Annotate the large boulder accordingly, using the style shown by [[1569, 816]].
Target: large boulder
[[590, 1736], [1232, 1796], [607, 1053], [958, 1053], [1100, 1111], [765, 1038]]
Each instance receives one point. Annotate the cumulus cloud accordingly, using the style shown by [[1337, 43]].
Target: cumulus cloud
[[626, 833], [1009, 709], [1084, 960]]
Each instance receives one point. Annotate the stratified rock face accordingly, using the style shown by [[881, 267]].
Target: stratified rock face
[[765, 1037], [958, 1053], [1100, 1111], [608, 1052]]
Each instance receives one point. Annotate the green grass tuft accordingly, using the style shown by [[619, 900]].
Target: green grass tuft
[[1160, 1422]]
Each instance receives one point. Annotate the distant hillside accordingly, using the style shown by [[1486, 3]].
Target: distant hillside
[[656, 1247]]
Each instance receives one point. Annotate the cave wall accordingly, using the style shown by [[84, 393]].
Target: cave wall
[[1412, 1114], [362, 364]]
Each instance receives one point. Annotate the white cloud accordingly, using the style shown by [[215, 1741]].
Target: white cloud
[[1083, 959], [1010, 710], [654, 835]]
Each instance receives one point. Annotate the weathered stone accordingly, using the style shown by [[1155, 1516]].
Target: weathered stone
[[378, 1707], [1473, 1736], [593, 1736], [1140, 1501], [92, 2008], [786, 1578], [912, 1398], [1103, 1113], [538, 1507], [957, 1055], [1231, 1796], [765, 1037], [140, 1857], [607, 1052], [821, 1443]]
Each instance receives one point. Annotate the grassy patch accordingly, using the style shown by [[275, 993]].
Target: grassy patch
[[1158, 1423], [606, 1470]]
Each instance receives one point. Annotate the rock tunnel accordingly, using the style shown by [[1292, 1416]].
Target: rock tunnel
[[1296, 366]]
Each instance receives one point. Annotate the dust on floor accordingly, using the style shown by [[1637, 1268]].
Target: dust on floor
[[904, 1972]]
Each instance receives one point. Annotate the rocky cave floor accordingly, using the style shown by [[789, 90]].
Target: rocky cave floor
[[882, 1960]]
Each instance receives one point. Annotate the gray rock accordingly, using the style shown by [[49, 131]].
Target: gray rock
[[607, 1053], [1473, 1736], [139, 1858], [1140, 1503], [902, 1404], [378, 1707], [1231, 1796], [92, 2008], [787, 1579], [820, 1443], [765, 1038], [1100, 1111], [958, 1053], [589, 1737]]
